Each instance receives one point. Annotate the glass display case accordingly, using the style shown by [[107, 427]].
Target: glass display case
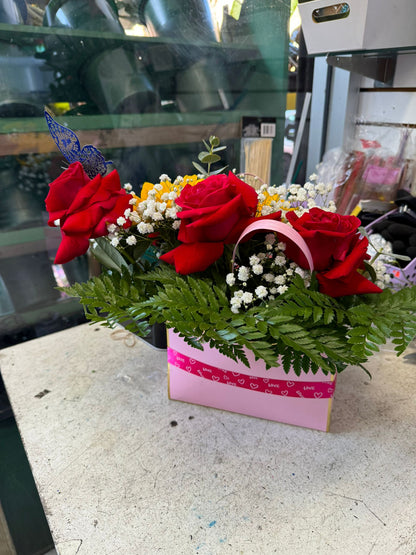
[[143, 81]]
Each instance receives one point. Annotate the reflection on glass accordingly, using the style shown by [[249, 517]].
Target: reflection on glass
[[143, 81]]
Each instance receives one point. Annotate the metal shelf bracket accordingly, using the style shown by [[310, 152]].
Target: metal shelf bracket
[[379, 68]]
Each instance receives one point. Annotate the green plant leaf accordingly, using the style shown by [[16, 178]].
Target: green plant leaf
[[199, 168], [369, 268], [208, 158], [214, 141], [216, 172], [107, 255]]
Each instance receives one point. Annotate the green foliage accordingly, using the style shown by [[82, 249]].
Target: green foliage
[[210, 156], [107, 255], [302, 328], [107, 299]]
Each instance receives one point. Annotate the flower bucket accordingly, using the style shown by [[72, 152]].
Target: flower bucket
[[77, 14], [13, 12], [131, 92], [211, 379], [184, 19], [204, 86], [24, 82]]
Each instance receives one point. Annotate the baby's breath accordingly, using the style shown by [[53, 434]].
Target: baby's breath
[[266, 275], [156, 204], [295, 197], [382, 249]]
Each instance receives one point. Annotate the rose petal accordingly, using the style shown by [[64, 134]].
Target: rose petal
[[353, 284], [352, 262], [247, 192], [215, 226], [111, 217], [63, 190], [193, 257], [70, 248]]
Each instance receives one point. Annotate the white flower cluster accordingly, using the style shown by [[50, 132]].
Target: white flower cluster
[[159, 206], [267, 275], [117, 233], [379, 245], [296, 197]]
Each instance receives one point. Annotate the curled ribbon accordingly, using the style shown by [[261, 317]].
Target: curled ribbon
[[281, 228]]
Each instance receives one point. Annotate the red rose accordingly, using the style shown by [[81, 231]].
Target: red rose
[[344, 278], [337, 250], [84, 207], [213, 213], [328, 235], [212, 207]]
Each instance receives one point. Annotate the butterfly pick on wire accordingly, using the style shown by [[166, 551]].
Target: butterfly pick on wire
[[68, 143]]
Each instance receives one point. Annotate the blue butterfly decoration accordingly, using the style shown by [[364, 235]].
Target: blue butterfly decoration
[[68, 143]]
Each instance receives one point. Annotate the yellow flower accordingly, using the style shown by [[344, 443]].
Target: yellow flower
[[161, 191], [268, 204]]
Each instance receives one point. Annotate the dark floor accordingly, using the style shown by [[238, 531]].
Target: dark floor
[[23, 526]]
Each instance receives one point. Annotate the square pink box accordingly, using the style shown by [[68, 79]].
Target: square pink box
[[210, 379]]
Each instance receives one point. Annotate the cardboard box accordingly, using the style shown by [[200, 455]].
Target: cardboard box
[[213, 380], [345, 26]]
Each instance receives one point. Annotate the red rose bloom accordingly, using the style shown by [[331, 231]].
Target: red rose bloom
[[84, 207], [214, 212], [344, 279], [337, 250], [212, 207], [328, 235]]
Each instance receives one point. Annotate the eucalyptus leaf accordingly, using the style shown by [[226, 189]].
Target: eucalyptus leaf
[[219, 171], [199, 168], [207, 158], [202, 154], [397, 256]]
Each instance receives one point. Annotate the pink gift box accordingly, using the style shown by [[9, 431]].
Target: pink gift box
[[210, 379]]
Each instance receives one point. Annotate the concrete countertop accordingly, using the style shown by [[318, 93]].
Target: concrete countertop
[[121, 469]]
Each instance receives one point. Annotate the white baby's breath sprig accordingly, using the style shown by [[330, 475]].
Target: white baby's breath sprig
[[267, 275], [295, 197]]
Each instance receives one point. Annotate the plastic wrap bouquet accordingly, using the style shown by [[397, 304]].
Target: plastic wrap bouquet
[[275, 271]]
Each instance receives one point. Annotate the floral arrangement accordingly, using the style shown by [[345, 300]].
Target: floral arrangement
[[275, 270]]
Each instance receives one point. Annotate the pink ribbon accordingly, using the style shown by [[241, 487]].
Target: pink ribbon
[[283, 229], [285, 388]]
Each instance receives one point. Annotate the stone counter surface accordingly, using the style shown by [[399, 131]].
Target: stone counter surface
[[121, 469]]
